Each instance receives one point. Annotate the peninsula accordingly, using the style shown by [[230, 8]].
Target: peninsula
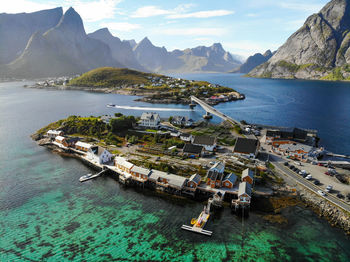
[[153, 88]]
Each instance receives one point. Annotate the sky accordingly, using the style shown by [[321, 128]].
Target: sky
[[243, 27]]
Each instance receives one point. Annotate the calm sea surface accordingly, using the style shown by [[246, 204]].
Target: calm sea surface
[[46, 214]]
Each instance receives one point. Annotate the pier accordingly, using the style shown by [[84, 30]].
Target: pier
[[212, 111], [199, 223]]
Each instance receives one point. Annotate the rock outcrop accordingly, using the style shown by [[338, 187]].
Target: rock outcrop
[[318, 50]]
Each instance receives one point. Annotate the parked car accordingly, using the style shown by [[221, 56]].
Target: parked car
[[327, 173], [305, 175], [314, 163], [308, 177], [329, 188], [339, 195], [320, 164], [297, 163], [286, 163], [317, 182], [320, 192], [302, 172]]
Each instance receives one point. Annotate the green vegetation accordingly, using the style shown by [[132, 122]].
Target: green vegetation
[[111, 77]]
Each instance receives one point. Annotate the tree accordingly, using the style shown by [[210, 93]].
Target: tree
[[118, 114]]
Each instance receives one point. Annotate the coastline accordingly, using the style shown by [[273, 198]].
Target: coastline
[[270, 207]]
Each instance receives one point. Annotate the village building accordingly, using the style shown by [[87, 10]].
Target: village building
[[244, 193], [61, 140], [166, 180], [248, 176], [194, 181], [139, 173], [229, 181], [295, 134], [295, 150], [99, 155], [186, 137], [215, 175], [66, 141], [82, 146], [182, 121], [208, 142], [247, 146], [150, 120], [123, 164], [53, 133], [192, 150], [106, 119]]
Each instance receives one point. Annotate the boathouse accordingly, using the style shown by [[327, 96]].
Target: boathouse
[[194, 181], [122, 164], [140, 174], [61, 140], [99, 155], [248, 176], [83, 146], [215, 175], [229, 181], [244, 193]]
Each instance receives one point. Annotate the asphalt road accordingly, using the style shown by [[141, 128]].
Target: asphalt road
[[278, 163]]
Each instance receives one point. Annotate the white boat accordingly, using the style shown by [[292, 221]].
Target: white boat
[[85, 177]]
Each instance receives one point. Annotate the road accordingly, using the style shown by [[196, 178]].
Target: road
[[278, 163], [213, 111]]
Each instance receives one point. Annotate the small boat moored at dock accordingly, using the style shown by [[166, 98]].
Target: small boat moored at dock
[[85, 177]]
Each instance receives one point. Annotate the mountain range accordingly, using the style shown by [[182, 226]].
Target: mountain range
[[49, 43], [320, 49]]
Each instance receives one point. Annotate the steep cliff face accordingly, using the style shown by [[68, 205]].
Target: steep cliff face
[[121, 50], [16, 30], [318, 50], [252, 62], [63, 50]]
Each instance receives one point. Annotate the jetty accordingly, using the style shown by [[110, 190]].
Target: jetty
[[90, 176], [199, 223]]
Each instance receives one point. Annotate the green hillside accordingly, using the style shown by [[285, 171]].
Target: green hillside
[[111, 77]]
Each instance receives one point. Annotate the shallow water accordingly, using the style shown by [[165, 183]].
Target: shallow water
[[47, 214]]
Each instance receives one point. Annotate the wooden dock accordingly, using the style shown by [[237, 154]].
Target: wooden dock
[[199, 223]]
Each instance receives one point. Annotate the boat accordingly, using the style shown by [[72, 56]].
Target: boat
[[85, 177], [110, 105]]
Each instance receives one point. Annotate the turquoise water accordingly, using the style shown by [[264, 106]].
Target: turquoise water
[[46, 214]]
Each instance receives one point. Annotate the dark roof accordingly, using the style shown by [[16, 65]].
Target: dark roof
[[244, 187], [300, 133], [193, 149], [195, 178], [273, 133], [72, 140], [246, 145], [204, 140], [185, 135], [97, 150], [213, 175], [288, 133]]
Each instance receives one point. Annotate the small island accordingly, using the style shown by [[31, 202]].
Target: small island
[[153, 88]]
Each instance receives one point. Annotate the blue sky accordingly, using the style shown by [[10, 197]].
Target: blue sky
[[243, 27]]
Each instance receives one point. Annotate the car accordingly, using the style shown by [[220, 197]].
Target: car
[[286, 163], [320, 192], [327, 173], [305, 175], [302, 172], [158, 158], [291, 167], [339, 195], [320, 164], [297, 163], [317, 182], [314, 163], [308, 177], [212, 163], [329, 188]]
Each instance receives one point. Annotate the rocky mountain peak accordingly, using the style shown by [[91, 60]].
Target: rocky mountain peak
[[72, 21]]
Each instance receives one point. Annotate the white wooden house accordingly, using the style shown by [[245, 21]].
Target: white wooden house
[[150, 120], [99, 155]]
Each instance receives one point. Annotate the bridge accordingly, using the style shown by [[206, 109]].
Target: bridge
[[211, 110]]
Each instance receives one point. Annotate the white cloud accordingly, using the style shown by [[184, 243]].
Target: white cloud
[[121, 27], [148, 11], [195, 31], [179, 12], [202, 14]]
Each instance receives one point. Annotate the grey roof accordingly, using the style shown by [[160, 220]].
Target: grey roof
[[218, 166], [141, 170], [149, 116], [246, 145], [195, 178], [247, 172], [174, 180], [244, 187], [295, 146], [231, 177], [193, 149], [185, 135], [204, 140], [156, 174]]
